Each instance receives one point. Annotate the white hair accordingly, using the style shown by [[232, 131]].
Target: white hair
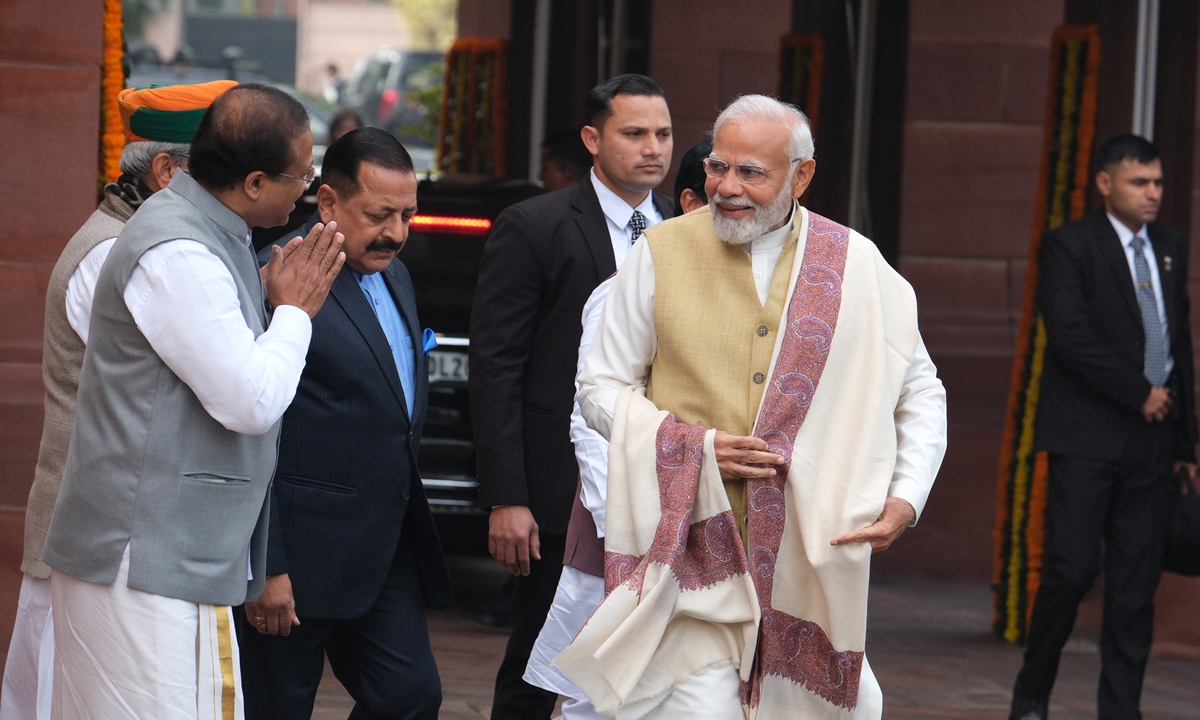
[[137, 157], [762, 107]]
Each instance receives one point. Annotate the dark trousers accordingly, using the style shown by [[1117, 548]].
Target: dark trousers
[[382, 658], [514, 698], [1109, 515]]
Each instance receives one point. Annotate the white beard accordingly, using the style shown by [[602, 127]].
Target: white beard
[[765, 219]]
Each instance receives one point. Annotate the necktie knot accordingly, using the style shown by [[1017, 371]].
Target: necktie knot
[[1137, 243], [637, 223]]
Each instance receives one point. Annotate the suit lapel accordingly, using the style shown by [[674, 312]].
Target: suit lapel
[[594, 228], [665, 205], [1112, 250], [402, 293], [350, 298]]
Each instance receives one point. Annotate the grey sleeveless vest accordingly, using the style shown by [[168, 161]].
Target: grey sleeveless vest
[[62, 356], [148, 466]]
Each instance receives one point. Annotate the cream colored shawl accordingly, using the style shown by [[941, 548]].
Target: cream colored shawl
[[682, 594]]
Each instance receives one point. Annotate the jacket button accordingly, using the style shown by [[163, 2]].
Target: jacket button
[[762, 331], [759, 377], [404, 495]]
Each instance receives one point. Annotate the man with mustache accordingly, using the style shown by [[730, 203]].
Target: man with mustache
[[773, 418], [542, 260], [1117, 417], [353, 557]]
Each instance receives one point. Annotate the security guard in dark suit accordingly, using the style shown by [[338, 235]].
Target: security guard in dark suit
[[1116, 417]]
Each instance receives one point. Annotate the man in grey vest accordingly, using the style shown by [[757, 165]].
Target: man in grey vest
[[160, 524], [153, 152]]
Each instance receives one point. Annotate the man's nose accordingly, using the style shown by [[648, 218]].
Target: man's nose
[[730, 186]]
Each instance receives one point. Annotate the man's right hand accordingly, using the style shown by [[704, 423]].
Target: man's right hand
[[1157, 406], [513, 538], [744, 457], [302, 272], [275, 612]]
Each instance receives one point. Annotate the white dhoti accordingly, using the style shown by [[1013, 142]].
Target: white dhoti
[[29, 670], [577, 597], [123, 653]]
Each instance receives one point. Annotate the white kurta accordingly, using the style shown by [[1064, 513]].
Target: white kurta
[[184, 301]]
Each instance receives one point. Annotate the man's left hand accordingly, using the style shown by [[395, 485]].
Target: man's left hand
[[897, 515]]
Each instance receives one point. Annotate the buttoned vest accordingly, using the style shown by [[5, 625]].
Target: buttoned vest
[[62, 357], [715, 337], [148, 466]]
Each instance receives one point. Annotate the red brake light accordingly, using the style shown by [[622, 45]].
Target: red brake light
[[387, 102], [451, 225]]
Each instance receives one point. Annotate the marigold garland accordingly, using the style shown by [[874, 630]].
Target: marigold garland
[[472, 128], [1023, 474], [112, 81]]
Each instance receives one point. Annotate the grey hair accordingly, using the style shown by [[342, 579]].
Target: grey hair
[[762, 107], [137, 156]]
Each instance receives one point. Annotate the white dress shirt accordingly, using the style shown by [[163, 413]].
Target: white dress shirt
[[185, 302], [625, 344], [81, 288], [617, 213], [1126, 236], [591, 448]]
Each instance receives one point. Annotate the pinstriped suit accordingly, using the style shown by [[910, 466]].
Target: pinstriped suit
[[350, 523]]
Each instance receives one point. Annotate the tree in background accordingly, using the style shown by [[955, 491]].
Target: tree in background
[[431, 24]]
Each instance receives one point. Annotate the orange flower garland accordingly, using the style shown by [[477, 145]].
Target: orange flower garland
[[112, 81], [471, 132]]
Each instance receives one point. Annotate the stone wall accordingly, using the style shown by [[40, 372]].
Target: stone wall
[[49, 119]]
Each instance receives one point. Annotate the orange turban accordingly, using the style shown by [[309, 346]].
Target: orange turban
[[167, 113]]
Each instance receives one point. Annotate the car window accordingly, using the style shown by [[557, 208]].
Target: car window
[[421, 72], [373, 78]]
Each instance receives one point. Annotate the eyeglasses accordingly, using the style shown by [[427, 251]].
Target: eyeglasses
[[749, 174], [307, 178]]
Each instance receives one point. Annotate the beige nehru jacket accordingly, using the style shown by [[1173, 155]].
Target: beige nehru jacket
[[62, 357]]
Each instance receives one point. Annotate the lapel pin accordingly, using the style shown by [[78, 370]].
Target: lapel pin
[[1167, 263]]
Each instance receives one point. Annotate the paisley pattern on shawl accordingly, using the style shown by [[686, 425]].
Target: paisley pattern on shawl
[[791, 647], [699, 554]]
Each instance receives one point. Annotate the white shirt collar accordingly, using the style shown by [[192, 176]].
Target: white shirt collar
[[775, 238], [1125, 234], [617, 210]]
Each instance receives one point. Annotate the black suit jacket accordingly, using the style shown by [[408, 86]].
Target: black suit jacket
[[347, 480], [1093, 385], [543, 259]]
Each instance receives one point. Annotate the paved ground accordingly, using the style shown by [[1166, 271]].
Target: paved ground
[[929, 644]]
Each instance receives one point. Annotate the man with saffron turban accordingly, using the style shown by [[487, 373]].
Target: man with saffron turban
[[159, 123], [773, 417]]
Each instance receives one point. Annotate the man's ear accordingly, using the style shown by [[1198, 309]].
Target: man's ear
[[689, 200], [591, 139], [803, 176], [327, 201], [1104, 183], [253, 184], [162, 167]]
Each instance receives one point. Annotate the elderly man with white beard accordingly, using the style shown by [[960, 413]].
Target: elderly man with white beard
[[773, 417]]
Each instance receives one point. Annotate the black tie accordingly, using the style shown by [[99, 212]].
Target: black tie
[[638, 223]]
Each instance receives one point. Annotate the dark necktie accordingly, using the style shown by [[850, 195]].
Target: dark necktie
[[1156, 351], [637, 222]]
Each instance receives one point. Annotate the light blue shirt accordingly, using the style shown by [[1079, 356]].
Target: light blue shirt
[[394, 327]]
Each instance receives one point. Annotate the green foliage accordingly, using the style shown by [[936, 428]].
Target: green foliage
[[431, 24], [422, 131]]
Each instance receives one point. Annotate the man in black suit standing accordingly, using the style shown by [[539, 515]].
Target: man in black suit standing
[[1116, 416], [353, 557], [542, 261]]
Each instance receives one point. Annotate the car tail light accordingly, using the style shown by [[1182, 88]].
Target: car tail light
[[387, 102], [450, 225]]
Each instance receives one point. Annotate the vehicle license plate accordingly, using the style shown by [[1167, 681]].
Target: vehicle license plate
[[447, 366]]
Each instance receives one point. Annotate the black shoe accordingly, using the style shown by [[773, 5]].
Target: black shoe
[[1028, 708]]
